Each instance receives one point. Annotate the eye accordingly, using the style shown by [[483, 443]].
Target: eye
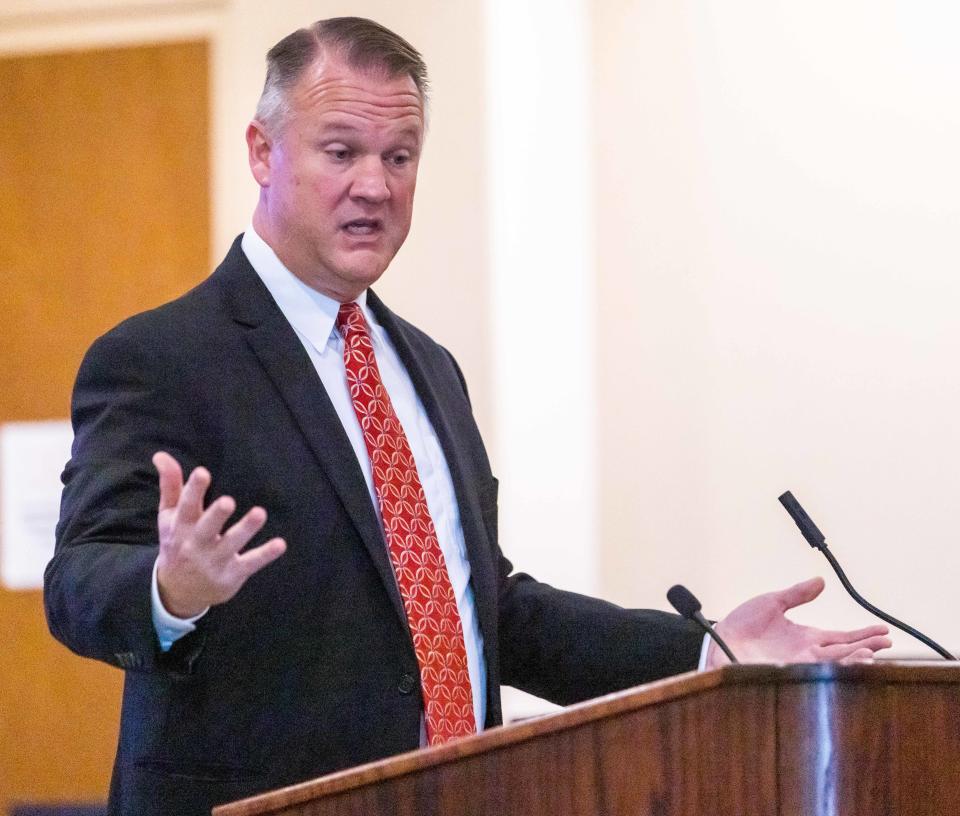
[[400, 158], [338, 153]]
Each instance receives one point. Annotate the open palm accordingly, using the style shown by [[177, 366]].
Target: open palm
[[759, 631]]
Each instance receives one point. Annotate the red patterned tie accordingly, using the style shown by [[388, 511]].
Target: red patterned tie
[[412, 540]]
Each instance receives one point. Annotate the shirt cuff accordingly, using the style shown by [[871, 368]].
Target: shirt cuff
[[704, 651], [169, 627]]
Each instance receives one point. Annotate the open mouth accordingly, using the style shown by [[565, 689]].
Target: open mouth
[[363, 226]]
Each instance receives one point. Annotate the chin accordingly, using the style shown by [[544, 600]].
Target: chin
[[367, 272], [360, 279]]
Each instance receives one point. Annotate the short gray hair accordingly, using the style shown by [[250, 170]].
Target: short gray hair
[[363, 44]]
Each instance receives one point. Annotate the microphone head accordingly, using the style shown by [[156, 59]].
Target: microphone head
[[808, 529], [683, 600]]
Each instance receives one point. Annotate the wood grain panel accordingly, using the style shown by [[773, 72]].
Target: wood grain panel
[[807, 740], [104, 211], [872, 745], [652, 751], [639, 763]]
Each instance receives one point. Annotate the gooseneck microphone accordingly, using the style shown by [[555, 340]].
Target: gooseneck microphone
[[684, 601], [818, 541]]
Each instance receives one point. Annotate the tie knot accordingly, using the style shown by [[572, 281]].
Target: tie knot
[[350, 319]]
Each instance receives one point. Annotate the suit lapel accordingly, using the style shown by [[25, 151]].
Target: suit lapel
[[474, 531], [280, 352]]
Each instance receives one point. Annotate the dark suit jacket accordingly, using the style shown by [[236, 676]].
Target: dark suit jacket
[[310, 668]]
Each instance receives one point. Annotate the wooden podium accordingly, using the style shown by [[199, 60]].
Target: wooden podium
[[807, 740]]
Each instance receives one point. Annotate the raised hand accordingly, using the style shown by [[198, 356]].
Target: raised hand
[[758, 631], [200, 564]]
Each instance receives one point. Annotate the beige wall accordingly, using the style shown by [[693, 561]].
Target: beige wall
[[778, 276]]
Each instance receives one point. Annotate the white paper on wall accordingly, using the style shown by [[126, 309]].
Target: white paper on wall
[[32, 456]]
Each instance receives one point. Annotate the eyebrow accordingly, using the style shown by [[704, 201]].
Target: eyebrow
[[347, 125], [344, 127], [340, 127]]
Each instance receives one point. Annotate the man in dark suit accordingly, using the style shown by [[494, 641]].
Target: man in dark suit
[[284, 385]]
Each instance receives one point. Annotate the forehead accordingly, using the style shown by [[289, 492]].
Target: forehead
[[330, 89]]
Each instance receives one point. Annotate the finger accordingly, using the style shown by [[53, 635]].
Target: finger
[[211, 522], [256, 559], [857, 634], [839, 651], [875, 643], [240, 533], [801, 593], [171, 479], [859, 656], [190, 506]]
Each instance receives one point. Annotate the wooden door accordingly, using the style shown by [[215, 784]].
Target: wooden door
[[104, 211]]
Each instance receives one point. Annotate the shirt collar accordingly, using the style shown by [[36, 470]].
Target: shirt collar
[[310, 312]]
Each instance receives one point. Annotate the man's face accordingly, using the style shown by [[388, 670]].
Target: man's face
[[337, 179]]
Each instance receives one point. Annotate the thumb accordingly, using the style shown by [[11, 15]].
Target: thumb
[[171, 479], [801, 593]]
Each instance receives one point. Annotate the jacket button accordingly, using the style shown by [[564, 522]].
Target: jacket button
[[407, 683]]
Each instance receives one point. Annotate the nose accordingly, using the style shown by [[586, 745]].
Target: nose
[[370, 181]]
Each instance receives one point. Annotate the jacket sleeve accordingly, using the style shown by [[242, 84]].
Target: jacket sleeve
[[567, 647], [127, 404]]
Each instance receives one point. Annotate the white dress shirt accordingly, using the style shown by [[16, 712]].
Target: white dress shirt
[[313, 317]]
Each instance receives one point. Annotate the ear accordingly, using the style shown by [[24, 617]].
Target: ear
[[259, 145]]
